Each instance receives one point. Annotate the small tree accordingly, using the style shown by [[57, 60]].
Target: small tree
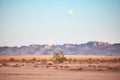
[[23, 59], [11, 59], [33, 59], [59, 56]]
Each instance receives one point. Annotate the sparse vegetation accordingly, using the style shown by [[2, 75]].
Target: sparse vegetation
[[50, 63], [4, 64], [59, 57], [16, 65], [35, 66], [33, 59], [60, 61], [11, 59], [67, 66]]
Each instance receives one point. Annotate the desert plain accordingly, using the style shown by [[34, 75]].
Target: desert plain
[[75, 68]]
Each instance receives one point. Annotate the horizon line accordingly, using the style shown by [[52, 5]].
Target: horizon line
[[57, 44]]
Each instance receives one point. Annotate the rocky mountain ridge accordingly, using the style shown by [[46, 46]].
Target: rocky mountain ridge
[[89, 48]]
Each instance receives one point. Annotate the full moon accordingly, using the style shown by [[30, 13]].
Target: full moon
[[70, 11]]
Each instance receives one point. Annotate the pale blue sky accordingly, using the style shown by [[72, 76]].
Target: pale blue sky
[[25, 22]]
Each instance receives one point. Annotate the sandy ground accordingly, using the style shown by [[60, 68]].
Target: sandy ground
[[9, 73], [36, 71]]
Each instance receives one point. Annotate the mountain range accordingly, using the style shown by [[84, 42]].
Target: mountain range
[[89, 48]]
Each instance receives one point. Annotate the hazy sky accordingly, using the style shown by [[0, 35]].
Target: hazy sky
[[25, 22]]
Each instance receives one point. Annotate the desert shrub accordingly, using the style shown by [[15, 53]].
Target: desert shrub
[[70, 60], [99, 69], [47, 66], [67, 66], [80, 69], [90, 66], [112, 68], [109, 68], [11, 59], [5, 64], [56, 67], [74, 61], [50, 63], [43, 61], [16, 65], [61, 66], [59, 57], [23, 59], [119, 59], [99, 66], [22, 65], [64, 66], [35, 66], [33, 59], [66, 62], [76, 69]]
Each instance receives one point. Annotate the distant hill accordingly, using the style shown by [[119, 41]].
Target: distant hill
[[89, 48]]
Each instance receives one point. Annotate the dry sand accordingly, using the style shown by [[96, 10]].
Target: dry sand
[[37, 71], [9, 73]]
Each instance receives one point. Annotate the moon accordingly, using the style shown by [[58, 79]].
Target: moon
[[70, 11]]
